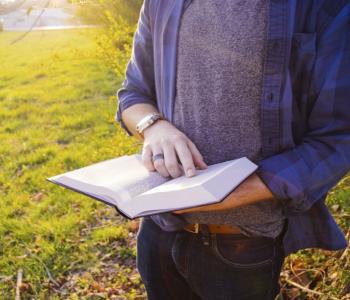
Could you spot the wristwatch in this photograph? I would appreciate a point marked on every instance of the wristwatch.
(147, 121)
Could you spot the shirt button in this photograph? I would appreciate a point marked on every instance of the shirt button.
(270, 97)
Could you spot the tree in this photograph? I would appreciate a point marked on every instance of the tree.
(117, 19)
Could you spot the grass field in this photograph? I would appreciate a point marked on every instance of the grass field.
(57, 109)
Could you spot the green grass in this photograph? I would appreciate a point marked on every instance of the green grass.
(57, 110)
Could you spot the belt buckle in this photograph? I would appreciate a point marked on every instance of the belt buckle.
(196, 228)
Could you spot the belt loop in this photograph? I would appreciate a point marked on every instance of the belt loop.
(205, 234)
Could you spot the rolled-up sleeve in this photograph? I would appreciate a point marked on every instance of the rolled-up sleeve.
(138, 85)
(303, 175)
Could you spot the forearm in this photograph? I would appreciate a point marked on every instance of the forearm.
(133, 114)
(250, 191)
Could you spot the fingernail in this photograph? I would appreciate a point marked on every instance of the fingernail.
(190, 173)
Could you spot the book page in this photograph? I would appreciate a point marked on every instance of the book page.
(208, 186)
(199, 179)
(144, 183)
(125, 177)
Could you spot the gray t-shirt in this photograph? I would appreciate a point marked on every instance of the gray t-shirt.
(218, 89)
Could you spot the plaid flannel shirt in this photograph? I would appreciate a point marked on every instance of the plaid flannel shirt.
(305, 105)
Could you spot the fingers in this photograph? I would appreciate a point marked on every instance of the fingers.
(196, 155)
(180, 155)
(147, 158)
(159, 164)
(171, 162)
(186, 158)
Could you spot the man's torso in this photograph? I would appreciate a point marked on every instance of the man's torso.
(219, 82)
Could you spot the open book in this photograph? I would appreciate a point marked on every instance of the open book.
(126, 184)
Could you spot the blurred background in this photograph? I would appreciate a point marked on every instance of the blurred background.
(61, 63)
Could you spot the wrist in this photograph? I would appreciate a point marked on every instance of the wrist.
(146, 122)
(154, 127)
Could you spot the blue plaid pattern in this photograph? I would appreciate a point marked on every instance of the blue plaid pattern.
(305, 104)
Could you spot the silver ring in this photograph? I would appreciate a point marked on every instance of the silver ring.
(158, 156)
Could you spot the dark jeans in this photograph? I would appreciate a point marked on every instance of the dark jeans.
(182, 265)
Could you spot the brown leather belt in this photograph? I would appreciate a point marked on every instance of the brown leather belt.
(213, 228)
